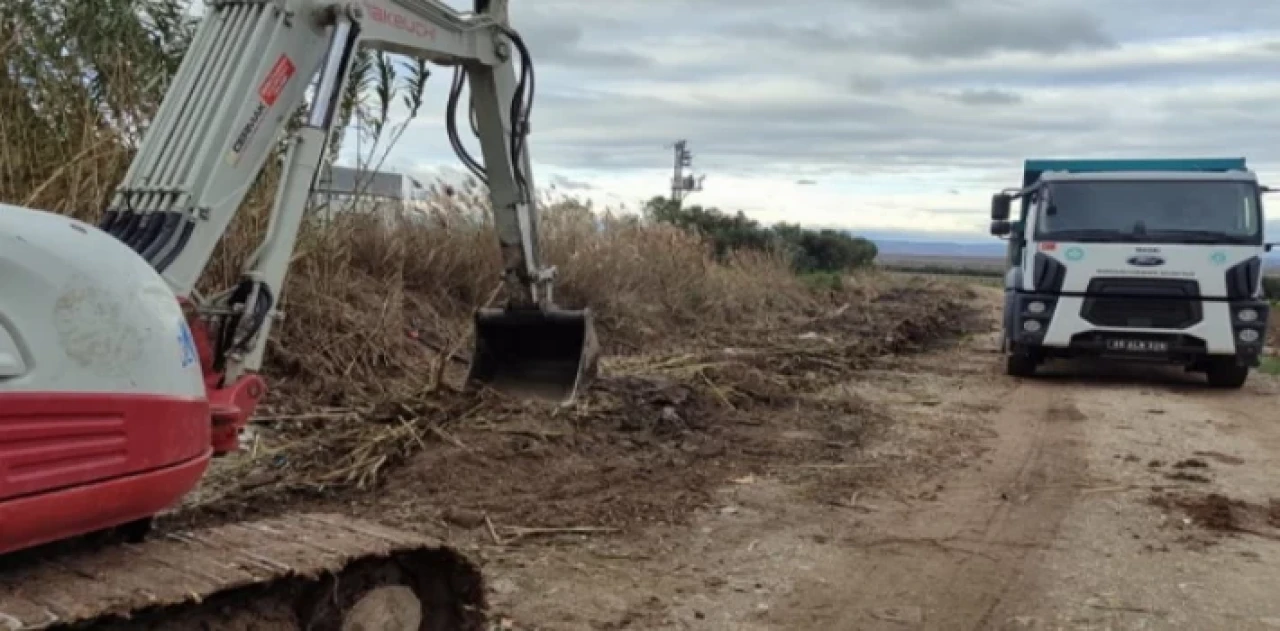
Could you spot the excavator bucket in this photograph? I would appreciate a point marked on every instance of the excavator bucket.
(545, 354)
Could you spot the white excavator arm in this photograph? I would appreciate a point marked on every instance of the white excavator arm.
(246, 74)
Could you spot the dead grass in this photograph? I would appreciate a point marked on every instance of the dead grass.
(357, 291)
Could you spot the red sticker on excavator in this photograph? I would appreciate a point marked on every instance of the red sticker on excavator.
(274, 84)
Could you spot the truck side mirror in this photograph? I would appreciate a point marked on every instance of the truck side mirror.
(1001, 228)
(1000, 204)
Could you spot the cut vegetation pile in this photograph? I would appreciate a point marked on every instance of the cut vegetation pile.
(711, 400)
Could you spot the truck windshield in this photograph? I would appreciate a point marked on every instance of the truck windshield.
(1143, 211)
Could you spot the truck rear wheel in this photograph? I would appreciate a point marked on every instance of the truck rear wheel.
(1227, 374)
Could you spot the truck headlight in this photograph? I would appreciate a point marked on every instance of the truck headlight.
(1031, 326)
(1248, 336)
(1248, 315)
(1037, 307)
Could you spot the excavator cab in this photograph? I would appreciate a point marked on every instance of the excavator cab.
(538, 353)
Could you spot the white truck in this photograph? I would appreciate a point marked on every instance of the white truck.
(1153, 260)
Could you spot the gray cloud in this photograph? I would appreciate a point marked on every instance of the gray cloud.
(870, 88)
(973, 32)
(987, 97)
(868, 85)
(908, 5)
(900, 130)
(561, 42)
(940, 29)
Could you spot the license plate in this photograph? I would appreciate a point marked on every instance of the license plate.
(1138, 346)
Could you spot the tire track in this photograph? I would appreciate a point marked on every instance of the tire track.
(955, 561)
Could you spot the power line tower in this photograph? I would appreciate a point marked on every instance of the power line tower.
(681, 184)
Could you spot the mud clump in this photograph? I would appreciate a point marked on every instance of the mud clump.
(1218, 513)
(1221, 457)
(1185, 476)
(652, 404)
(1065, 413)
(1214, 512)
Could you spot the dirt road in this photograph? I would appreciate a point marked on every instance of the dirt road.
(1084, 499)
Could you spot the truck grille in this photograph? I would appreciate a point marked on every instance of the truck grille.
(1141, 303)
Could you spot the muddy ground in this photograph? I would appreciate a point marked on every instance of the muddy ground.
(1090, 498)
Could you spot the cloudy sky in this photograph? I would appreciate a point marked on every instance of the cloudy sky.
(877, 114)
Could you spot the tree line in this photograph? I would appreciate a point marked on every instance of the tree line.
(822, 250)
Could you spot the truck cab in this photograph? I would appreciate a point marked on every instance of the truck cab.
(1135, 260)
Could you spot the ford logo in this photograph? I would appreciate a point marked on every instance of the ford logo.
(1146, 261)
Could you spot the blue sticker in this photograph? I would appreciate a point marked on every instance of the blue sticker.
(187, 343)
(1074, 254)
(1218, 258)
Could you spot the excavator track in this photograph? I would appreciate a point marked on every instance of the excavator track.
(318, 572)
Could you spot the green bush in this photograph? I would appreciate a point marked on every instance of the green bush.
(1271, 287)
(808, 250)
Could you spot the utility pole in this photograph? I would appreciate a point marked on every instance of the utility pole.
(682, 184)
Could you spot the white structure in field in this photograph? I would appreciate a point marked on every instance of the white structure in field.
(345, 189)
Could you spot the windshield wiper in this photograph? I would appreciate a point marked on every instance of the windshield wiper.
(1147, 236)
(1202, 236)
(1087, 236)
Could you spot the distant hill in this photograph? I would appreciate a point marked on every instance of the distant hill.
(914, 248)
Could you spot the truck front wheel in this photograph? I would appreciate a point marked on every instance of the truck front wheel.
(1226, 374)
(1019, 363)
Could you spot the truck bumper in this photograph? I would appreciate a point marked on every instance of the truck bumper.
(1050, 325)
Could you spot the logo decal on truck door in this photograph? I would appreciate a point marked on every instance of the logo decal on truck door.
(1074, 254)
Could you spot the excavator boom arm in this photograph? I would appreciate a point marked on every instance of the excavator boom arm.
(243, 79)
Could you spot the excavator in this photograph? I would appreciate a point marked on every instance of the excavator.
(120, 383)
